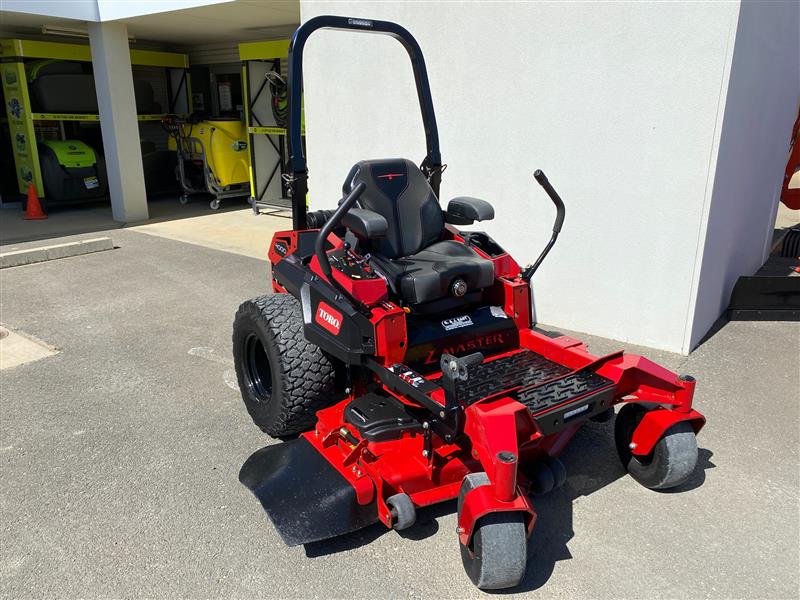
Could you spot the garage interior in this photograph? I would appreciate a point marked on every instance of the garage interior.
(190, 112)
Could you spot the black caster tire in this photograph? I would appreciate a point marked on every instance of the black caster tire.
(558, 470)
(404, 515)
(671, 462)
(184, 199)
(603, 417)
(542, 477)
(497, 554)
(284, 380)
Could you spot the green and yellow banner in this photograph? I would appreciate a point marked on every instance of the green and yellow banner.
(20, 121)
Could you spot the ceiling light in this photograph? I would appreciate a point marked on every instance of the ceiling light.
(74, 32)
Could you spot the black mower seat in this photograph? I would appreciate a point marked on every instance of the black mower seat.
(429, 274)
(420, 266)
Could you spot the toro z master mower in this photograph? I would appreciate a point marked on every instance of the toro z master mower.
(402, 352)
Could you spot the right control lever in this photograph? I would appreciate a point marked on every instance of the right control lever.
(541, 179)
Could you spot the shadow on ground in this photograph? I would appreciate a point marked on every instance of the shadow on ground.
(549, 541)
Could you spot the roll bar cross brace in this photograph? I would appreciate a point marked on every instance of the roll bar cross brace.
(298, 171)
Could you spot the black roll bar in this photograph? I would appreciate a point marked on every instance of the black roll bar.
(298, 171)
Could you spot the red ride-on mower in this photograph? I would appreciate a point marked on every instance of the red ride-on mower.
(401, 351)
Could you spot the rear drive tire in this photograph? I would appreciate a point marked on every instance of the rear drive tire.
(284, 379)
(671, 462)
(496, 556)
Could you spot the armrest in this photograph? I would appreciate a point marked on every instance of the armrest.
(365, 224)
(465, 211)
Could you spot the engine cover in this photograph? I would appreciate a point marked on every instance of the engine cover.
(487, 329)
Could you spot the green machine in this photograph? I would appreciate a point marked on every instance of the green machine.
(72, 172)
(49, 86)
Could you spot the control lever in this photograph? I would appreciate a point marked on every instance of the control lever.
(455, 370)
(360, 261)
(541, 179)
(322, 256)
(458, 369)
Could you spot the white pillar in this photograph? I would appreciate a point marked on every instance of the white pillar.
(114, 82)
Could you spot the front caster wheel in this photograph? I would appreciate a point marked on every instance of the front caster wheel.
(214, 204)
(403, 512)
(496, 556)
(184, 199)
(671, 462)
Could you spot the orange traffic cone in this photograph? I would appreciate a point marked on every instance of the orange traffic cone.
(34, 209)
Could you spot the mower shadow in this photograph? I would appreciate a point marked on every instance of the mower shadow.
(554, 523)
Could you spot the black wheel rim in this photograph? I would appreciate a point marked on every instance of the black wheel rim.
(258, 371)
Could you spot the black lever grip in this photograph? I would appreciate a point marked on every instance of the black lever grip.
(542, 180)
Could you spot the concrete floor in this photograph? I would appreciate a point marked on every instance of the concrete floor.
(235, 227)
(119, 458)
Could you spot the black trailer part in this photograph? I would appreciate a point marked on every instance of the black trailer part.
(765, 298)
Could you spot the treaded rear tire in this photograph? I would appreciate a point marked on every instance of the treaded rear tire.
(283, 378)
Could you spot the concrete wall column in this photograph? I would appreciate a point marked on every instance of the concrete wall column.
(120, 127)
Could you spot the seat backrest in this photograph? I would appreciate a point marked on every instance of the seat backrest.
(397, 189)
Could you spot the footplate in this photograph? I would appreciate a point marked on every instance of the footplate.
(561, 402)
(555, 395)
(520, 370)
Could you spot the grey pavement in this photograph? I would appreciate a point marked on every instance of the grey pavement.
(119, 459)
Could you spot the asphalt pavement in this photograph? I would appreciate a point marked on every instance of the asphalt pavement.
(119, 458)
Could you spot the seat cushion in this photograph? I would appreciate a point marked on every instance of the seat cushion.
(427, 275)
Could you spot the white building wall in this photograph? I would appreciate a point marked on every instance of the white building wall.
(760, 109)
(619, 103)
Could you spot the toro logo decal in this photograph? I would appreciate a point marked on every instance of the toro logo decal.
(329, 318)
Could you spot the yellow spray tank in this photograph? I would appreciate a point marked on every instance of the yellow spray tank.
(219, 147)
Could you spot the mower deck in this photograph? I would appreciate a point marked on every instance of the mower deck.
(304, 509)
